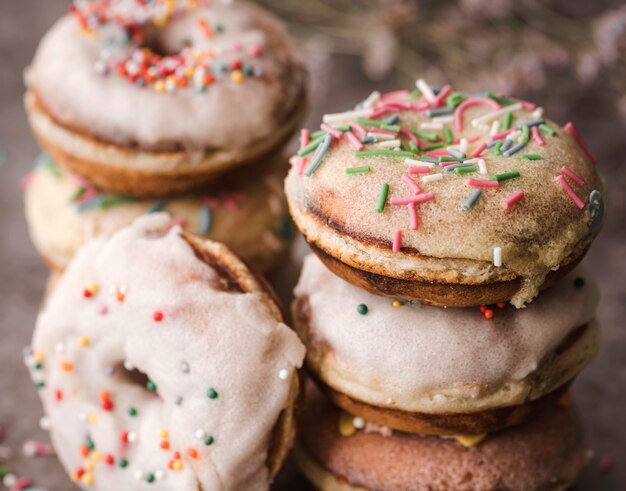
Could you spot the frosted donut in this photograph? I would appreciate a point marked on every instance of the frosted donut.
(430, 370)
(431, 198)
(249, 215)
(162, 363)
(157, 99)
(546, 454)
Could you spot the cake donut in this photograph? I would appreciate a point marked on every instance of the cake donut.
(156, 98)
(163, 363)
(248, 214)
(546, 454)
(429, 370)
(446, 198)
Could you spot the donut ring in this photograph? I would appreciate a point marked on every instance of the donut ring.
(160, 102)
(149, 357)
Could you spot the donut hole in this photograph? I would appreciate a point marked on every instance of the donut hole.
(133, 377)
(152, 39)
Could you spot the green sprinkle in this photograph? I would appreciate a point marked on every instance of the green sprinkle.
(447, 134)
(312, 146)
(377, 124)
(454, 99)
(316, 134)
(525, 133)
(123, 463)
(496, 148)
(40, 385)
(415, 94)
(434, 146)
(546, 129)
(579, 282)
(506, 121)
(382, 197)
(150, 478)
(79, 192)
(413, 146)
(506, 176)
(118, 200)
(465, 170)
(345, 127)
(358, 170)
(431, 137)
(209, 440)
(443, 158)
(212, 393)
(503, 101)
(53, 168)
(531, 156)
(132, 411)
(219, 28)
(151, 386)
(248, 70)
(383, 153)
(90, 444)
(38, 366)
(362, 309)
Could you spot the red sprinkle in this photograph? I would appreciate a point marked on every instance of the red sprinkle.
(571, 129)
(570, 192)
(478, 150)
(108, 458)
(570, 173)
(157, 316)
(537, 138)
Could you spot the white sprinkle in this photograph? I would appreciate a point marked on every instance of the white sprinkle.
(128, 365)
(132, 437)
(495, 128)
(336, 117)
(283, 374)
(200, 434)
(538, 113)
(419, 162)
(486, 118)
(431, 126)
(471, 161)
(29, 448)
(463, 145)
(497, 256)
(138, 474)
(443, 119)
(432, 177)
(9, 480)
(44, 423)
(389, 144)
(425, 90)
(372, 99)
(380, 136)
(482, 166)
(358, 423)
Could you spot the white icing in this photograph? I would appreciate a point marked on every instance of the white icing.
(227, 114)
(416, 351)
(230, 341)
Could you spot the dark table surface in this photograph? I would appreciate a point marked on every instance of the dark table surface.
(600, 390)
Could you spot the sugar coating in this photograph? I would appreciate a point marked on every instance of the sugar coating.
(114, 109)
(172, 315)
(415, 352)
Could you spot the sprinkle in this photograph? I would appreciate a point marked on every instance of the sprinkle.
(405, 200)
(132, 411)
(425, 89)
(362, 309)
(379, 124)
(209, 440)
(525, 134)
(506, 121)
(571, 129)
(495, 127)
(506, 204)
(422, 169)
(334, 118)
(305, 138)
(157, 316)
(442, 111)
(283, 374)
(570, 192)
(426, 136)
(390, 144)
(497, 256)
(432, 177)
(447, 135)
(184, 367)
(382, 197)
(206, 220)
(435, 146)
(396, 303)
(397, 241)
(332, 131)
(456, 153)
(465, 169)
(472, 199)
(393, 119)
(514, 149)
(83, 341)
(497, 148)
(546, 129)
(502, 134)
(482, 167)
(358, 170)
(383, 153)
(536, 135)
(411, 184)
(311, 146)
(500, 100)
(151, 386)
(482, 184)
(495, 114)
(413, 219)
(506, 176)
(212, 393)
(469, 441)
(319, 155)
(478, 150)
(354, 141)
(531, 156)
(458, 112)
(156, 207)
(370, 101)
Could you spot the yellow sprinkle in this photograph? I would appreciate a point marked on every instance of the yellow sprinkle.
(159, 86)
(177, 465)
(88, 465)
(74, 477)
(189, 72)
(469, 441)
(164, 434)
(39, 356)
(83, 341)
(236, 76)
(88, 478)
(95, 455)
(93, 288)
(396, 303)
(346, 424)
(91, 419)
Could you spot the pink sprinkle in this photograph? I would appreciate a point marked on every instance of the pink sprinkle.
(480, 183)
(359, 130)
(413, 220)
(354, 141)
(472, 101)
(417, 199)
(445, 91)
(503, 134)
(305, 138)
(570, 192)
(21, 484)
(87, 195)
(411, 184)
(397, 241)
(336, 133)
(254, 50)
(398, 106)
(396, 94)
(438, 153)
(470, 139)
(410, 136)
(34, 448)
(446, 164)
(422, 169)
(506, 204)
(478, 150)
(534, 131)
(527, 106)
(569, 127)
(301, 165)
(570, 173)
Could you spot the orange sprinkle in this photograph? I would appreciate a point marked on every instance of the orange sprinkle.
(501, 305)
(66, 366)
(488, 314)
(105, 395)
(165, 445)
(192, 452)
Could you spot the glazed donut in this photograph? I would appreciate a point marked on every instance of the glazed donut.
(431, 198)
(163, 363)
(545, 454)
(248, 214)
(158, 98)
(429, 370)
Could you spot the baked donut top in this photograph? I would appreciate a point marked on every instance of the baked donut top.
(168, 75)
(416, 352)
(155, 366)
(444, 174)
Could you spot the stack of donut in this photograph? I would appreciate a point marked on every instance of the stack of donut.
(183, 106)
(444, 312)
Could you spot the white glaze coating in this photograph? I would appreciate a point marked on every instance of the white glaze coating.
(430, 356)
(230, 341)
(227, 114)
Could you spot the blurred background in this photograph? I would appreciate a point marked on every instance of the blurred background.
(567, 55)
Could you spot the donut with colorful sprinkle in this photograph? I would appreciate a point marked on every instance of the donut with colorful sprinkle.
(156, 98)
(446, 198)
(163, 363)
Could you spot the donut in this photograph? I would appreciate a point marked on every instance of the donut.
(64, 211)
(428, 370)
(446, 198)
(163, 363)
(156, 98)
(547, 453)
